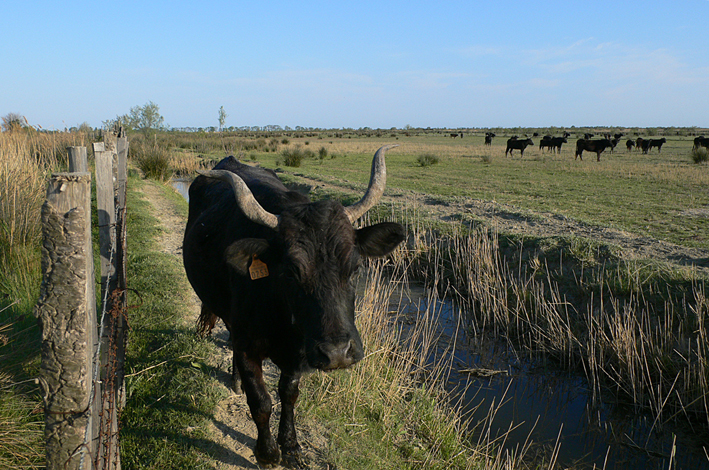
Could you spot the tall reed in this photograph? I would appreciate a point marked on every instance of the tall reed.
(652, 356)
(26, 157)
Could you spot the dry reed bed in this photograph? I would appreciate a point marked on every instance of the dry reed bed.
(401, 382)
(631, 352)
(26, 158)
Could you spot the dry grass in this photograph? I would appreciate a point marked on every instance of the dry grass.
(655, 359)
(26, 158)
(393, 404)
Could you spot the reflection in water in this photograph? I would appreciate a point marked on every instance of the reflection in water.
(182, 186)
(544, 405)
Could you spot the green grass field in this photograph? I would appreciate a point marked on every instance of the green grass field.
(662, 195)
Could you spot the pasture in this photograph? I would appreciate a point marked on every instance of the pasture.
(597, 268)
(600, 268)
(660, 195)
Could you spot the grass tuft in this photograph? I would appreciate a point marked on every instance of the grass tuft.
(427, 159)
(700, 155)
(152, 159)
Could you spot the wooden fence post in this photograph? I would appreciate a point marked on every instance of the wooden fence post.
(121, 234)
(66, 310)
(78, 163)
(113, 338)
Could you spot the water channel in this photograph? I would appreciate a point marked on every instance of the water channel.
(549, 408)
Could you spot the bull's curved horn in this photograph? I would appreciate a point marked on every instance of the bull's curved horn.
(377, 182)
(245, 198)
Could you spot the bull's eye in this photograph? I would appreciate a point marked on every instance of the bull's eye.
(291, 274)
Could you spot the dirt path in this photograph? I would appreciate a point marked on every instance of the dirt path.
(508, 219)
(232, 429)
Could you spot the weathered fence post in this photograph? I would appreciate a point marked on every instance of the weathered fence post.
(78, 163)
(113, 295)
(66, 309)
(121, 234)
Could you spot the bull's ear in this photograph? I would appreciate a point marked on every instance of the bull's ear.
(241, 252)
(379, 240)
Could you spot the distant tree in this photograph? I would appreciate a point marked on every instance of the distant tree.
(147, 117)
(222, 118)
(144, 118)
(13, 121)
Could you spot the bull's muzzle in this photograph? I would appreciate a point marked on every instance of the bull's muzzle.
(340, 355)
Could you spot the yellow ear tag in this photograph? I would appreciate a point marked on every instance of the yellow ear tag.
(258, 269)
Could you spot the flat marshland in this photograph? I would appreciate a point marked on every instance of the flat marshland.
(595, 268)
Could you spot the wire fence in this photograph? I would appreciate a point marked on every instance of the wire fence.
(82, 371)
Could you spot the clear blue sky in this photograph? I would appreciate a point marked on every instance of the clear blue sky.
(358, 64)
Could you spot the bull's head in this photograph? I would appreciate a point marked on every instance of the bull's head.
(315, 252)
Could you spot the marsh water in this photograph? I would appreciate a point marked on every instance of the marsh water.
(538, 407)
(546, 407)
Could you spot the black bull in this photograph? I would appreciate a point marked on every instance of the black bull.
(517, 144)
(598, 146)
(277, 269)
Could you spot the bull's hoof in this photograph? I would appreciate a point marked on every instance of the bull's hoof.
(268, 455)
(294, 459)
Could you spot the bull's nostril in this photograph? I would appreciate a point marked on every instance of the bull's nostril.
(339, 355)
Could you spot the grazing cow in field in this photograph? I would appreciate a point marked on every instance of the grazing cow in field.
(618, 135)
(488, 138)
(629, 144)
(514, 143)
(552, 143)
(598, 146)
(566, 135)
(645, 145)
(278, 269)
(614, 142)
(700, 141)
(454, 135)
(587, 136)
(639, 143)
(556, 143)
(656, 143)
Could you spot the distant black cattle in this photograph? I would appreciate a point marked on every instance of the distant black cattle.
(488, 138)
(587, 136)
(598, 146)
(552, 143)
(655, 143)
(630, 144)
(701, 141)
(639, 143)
(514, 143)
(614, 142)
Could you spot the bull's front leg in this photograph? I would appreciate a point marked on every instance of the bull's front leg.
(251, 371)
(287, 439)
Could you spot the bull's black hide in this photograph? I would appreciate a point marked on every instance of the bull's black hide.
(595, 145)
(278, 270)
